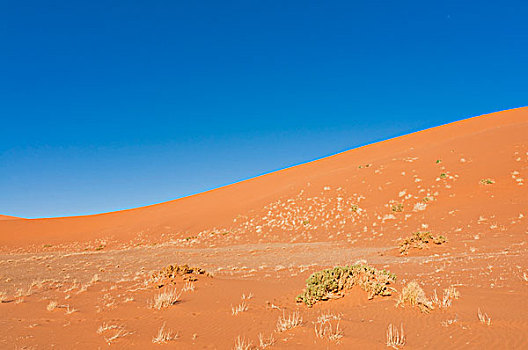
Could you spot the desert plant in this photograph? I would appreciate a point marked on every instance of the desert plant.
(397, 208)
(449, 294)
(288, 322)
(414, 295)
(395, 338)
(487, 181)
(265, 342)
(331, 283)
(420, 240)
(239, 308)
(164, 335)
(165, 299)
(242, 344)
(484, 318)
(323, 327)
(52, 305)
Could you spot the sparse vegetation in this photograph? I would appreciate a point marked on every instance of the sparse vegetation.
(265, 342)
(484, 318)
(397, 208)
(420, 240)
(414, 295)
(171, 272)
(164, 336)
(293, 320)
(438, 161)
(443, 176)
(324, 328)
(118, 332)
(52, 305)
(487, 181)
(395, 338)
(449, 294)
(235, 310)
(331, 283)
(242, 344)
(165, 299)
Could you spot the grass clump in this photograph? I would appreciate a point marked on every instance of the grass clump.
(332, 283)
(414, 295)
(420, 240)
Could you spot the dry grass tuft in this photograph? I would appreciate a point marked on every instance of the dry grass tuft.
(324, 328)
(52, 305)
(118, 332)
(420, 240)
(242, 344)
(164, 336)
(188, 287)
(450, 293)
(239, 308)
(285, 323)
(414, 295)
(165, 299)
(265, 342)
(484, 318)
(395, 338)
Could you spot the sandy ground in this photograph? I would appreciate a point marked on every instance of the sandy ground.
(85, 282)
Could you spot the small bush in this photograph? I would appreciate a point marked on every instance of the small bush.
(420, 240)
(331, 283)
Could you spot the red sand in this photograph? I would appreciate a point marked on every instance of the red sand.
(266, 235)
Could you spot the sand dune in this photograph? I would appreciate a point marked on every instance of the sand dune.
(7, 217)
(466, 181)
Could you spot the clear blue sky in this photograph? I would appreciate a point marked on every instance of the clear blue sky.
(106, 105)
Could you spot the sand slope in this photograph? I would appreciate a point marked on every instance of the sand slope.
(466, 180)
(488, 142)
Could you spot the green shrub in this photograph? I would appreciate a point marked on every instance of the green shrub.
(331, 283)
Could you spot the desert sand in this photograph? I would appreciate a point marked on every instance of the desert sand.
(87, 282)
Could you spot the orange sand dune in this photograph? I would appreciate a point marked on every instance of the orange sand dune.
(85, 282)
(485, 139)
(7, 217)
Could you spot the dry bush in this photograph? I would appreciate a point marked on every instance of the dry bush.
(293, 320)
(395, 338)
(414, 295)
(239, 308)
(332, 283)
(164, 336)
(242, 344)
(3, 297)
(165, 299)
(324, 328)
(420, 240)
(484, 318)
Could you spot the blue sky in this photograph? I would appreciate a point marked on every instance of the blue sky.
(107, 105)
